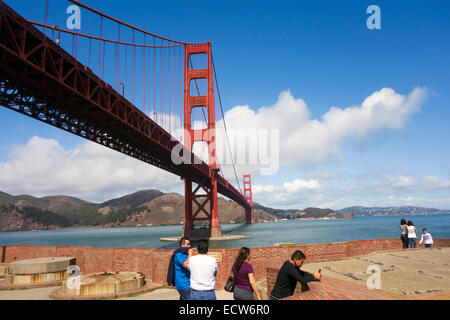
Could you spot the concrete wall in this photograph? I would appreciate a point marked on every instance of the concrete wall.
(154, 262)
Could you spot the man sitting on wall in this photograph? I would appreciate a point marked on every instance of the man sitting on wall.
(288, 276)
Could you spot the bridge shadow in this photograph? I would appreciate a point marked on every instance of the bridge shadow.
(238, 227)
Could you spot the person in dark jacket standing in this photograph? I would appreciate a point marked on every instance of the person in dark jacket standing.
(289, 275)
(178, 275)
(404, 233)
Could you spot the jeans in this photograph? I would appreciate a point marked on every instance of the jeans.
(203, 295)
(404, 239)
(428, 245)
(185, 294)
(412, 242)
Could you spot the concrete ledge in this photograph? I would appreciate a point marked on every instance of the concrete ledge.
(4, 270)
(33, 281)
(148, 287)
(222, 238)
(41, 265)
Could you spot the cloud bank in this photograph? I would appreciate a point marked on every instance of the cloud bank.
(93, 172)
(90, 171)
(308, 143)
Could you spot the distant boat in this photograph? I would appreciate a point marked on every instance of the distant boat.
(139, 225)
(149, 225)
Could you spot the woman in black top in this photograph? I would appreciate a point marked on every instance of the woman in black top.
(288, 276)
(404, 233)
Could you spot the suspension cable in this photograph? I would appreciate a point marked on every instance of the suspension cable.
(203, 111)
(224, 123)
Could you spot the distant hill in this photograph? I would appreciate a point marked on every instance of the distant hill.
(55, 203)
(391, 211)
(133, 200)
(21, 213)
(145, 207)
(308, 213)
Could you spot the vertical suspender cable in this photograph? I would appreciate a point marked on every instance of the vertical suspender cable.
(76, 50)
(90, 52)
(100, 48)
(161, 85)
(46, 17)
(154, 81)
(169, 89)
(224, 123)
(126, 72)
(118, 60)
(133, 71)
(143, 74)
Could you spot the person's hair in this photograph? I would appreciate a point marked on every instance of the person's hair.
(183, 240)
(202, 246)
(410, 223)
(298, 255)
(242, 256)
(424, 229)
(402, 222)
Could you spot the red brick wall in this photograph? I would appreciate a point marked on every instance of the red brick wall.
(153, 262)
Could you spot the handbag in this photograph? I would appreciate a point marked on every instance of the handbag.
(231, 283)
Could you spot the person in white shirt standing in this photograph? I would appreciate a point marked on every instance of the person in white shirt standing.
(412, 234)
(426, 237)
(203, 270)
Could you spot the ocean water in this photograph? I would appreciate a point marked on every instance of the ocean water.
(257, 235)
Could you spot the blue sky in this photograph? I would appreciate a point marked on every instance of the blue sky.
(322, 53)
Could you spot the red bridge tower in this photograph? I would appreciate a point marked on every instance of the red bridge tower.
(206, 192)
(248, 197)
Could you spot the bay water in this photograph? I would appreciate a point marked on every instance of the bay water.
(257, 235)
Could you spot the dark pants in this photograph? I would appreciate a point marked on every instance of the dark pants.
(404, 239)
(272, 297)
(412, 242)
(428, 245)
(185, 294)
(241, 294)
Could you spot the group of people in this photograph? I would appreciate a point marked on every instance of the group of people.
(409, 235)
(194, 275)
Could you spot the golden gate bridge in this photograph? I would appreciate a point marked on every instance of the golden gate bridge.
(88, 85)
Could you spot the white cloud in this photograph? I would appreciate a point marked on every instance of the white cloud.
(307, 142)
(412, 183)
(90, 171)
(299, 184)
(288, 192)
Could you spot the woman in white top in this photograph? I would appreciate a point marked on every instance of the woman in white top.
(412, 234)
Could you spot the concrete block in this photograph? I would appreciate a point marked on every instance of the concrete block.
(41, 265)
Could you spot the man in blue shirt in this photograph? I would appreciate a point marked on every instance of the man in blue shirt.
(182, 274)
